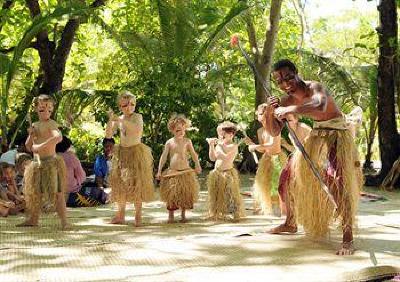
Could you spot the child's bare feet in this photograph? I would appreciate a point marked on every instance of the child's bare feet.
(171, 216)
(117, 220)
(283, 228)
(66, 226)
(236, 219)
(138, 223)
(27, 223)
(4, 211)
(183, 216)
(346, 249)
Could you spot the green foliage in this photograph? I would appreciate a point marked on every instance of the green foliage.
(175, 56)
(86, 143)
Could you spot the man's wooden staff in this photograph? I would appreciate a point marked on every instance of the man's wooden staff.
(235, 42)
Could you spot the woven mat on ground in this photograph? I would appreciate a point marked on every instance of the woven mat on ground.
(196, 251)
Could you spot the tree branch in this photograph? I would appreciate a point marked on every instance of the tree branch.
(252, 34)
(271, 34)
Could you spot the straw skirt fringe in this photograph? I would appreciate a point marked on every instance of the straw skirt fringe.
(131, 176)
(180, 191)
(336, 156)
(224, 194)
(43, 180)
(262, 184)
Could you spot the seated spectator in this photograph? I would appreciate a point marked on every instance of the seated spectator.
(78, 196)
(102, 164)
(9, 192)
(75, 173)
(10, 156)
(22, 161)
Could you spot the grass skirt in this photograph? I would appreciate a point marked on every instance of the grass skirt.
(131, 176)
(44, 178)
(224, 194)
(262, 184)
(180, 191)
(331, 147)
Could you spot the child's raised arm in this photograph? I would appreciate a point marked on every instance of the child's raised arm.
(112, 124)
(230, 154)
(211, 151)
(272, 146)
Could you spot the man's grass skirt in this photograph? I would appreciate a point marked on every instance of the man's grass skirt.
(331, 147)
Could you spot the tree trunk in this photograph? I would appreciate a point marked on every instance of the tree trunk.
(370, 141)
(389, 140)
(269, 45)
(54, 55)
(263, 62)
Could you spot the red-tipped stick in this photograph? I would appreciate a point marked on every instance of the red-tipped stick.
(236, 42)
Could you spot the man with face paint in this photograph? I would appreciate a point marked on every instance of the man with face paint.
(131, 177)
(330, 146)
(45, 177)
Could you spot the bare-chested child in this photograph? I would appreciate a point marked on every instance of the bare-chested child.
(223, 182)
(269, 146)
(131, 176)
(179, 187)
(330, 146)
(45, 177)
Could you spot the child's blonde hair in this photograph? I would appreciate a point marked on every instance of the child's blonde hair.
(178, 118)
(125, 94)
(228, 127)
(43, 98)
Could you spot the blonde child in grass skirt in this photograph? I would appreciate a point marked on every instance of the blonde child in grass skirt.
(131, 176)
(269, 146)
(223, 182)
(45, 177)
(179, 185)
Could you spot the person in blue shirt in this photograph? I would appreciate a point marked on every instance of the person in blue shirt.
(103, 163)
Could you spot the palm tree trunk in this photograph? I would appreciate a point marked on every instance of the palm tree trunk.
(389, 140)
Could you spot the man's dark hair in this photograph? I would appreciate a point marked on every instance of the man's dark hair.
(108, 140)
(64, 145)
(285, 63)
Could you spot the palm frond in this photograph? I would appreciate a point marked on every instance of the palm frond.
(335, 76)
(165, 16)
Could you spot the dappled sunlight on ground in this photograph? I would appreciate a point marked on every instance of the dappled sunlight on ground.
(95, 250)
